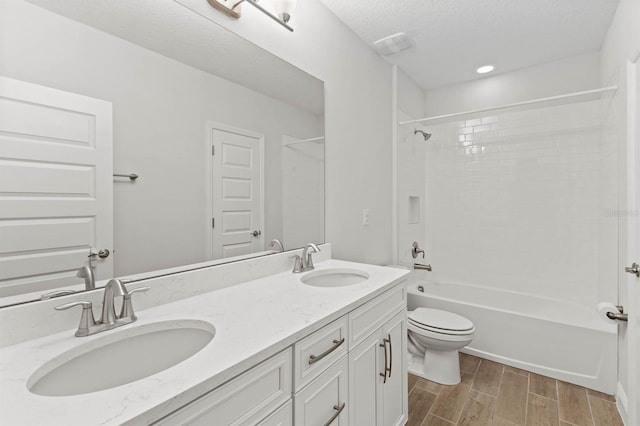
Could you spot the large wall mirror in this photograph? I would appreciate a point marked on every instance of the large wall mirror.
(226, 140)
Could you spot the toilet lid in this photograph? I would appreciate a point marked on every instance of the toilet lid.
(440, 320)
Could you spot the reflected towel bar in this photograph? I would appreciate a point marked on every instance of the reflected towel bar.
(132, 176)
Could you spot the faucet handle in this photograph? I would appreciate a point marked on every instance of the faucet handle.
(415, 250)
(127, 307)
(86, 319)
(58, 293)
(297, 264)
(309, 262)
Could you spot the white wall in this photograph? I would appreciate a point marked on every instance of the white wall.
(621, 44)
(553, 78)
(160, 109)
(411, 183)
(411, 170)
(411, 97)
(358, 120)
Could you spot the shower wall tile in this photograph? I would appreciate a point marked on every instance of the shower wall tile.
(515, 200)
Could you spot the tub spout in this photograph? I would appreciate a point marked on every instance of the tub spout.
(421, 266)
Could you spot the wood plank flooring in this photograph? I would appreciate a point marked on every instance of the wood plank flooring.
(493, 394)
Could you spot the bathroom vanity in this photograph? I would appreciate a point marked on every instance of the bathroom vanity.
(283, 352)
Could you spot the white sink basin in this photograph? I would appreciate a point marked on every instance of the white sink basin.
(124, 356)
(334, 277)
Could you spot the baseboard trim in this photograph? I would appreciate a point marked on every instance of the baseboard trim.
(622, 403)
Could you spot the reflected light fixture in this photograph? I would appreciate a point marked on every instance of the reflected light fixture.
(283, 9)
(485, 69)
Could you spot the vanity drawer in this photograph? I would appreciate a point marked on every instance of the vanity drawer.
(244, 400)
(325, 399)
(283, 416)
(367, 318)
(316, 352)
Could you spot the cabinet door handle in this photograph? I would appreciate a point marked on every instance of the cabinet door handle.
(390, 354)
(384, 345)
(338, 409)
(336, 343)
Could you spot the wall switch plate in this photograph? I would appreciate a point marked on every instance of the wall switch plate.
(365, 217)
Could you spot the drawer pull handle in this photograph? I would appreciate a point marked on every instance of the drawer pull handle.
(336, 343)
(388, 360)
(390, 354)
(384, 345)
(336, 414)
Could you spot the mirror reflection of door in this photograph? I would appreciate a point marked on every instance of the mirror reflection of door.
(55, 187)
(236, 193)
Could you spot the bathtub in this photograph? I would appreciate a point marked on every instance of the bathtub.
(550, 337)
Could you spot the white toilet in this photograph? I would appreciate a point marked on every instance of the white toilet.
(435, 337)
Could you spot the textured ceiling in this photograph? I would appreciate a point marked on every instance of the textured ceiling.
(172, 30)
(452, 38)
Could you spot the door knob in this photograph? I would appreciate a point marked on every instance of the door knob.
(633, 269)
(256, 233)
(102, 253)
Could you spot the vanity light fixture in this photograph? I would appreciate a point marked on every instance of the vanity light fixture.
(283, 9)
(485, 69)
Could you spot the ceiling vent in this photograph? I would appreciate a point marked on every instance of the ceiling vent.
(393, 44)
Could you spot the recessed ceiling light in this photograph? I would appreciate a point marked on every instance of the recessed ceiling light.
(485, 69)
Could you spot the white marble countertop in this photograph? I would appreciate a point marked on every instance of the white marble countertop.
(253, 321)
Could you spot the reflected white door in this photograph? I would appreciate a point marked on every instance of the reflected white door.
(633, 282)
(56, 191)
(236, 192)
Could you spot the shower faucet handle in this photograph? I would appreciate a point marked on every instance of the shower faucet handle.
(415, 250)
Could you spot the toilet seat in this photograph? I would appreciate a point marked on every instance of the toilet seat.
(441, 322)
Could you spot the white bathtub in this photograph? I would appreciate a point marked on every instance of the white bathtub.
(550, 337)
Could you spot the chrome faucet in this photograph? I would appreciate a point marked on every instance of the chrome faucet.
(86, 272)
(307, 260)
(275, 242)
(422, 266)
(305, 263)
(114, 288)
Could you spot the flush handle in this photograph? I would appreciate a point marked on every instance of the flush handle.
(633, 269)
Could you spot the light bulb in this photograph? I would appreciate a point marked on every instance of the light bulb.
(284, 9)
(485, 69)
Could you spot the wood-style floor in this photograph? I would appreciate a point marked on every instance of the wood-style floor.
(495, 394)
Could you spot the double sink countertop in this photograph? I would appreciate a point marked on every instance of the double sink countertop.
(253, 321)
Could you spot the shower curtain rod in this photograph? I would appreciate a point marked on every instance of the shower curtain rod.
(517, 104)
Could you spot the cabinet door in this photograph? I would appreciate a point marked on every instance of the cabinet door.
(365, 366)
(324, 400)
(394, 390)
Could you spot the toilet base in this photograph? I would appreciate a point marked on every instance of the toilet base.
(437, 366)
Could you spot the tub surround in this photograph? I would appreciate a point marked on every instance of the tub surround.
(254, 320)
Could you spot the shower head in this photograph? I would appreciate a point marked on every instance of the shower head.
(425, 135)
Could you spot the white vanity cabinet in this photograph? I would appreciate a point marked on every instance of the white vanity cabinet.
(249, 399)
(378, 366)
(325, 401)
(349, 372)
